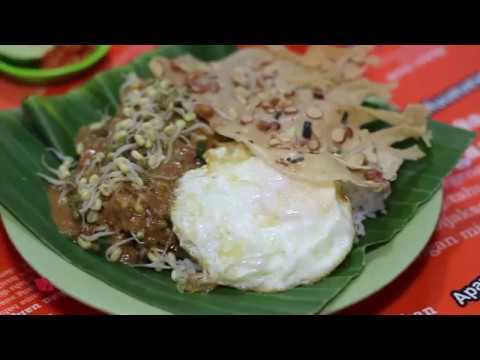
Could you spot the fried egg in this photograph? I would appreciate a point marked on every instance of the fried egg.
(252, 228)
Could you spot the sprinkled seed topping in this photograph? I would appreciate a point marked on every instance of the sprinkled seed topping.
(275, 126)
(198, 83)
(342, 134)
(282, 162)
(285, 104)
(275, 101)
(374, 175)
(246, 119)
(263, 125)
(348, 133)
(313, 144)
(286, 135)
(204, 112)
(265, 105)
(314, 113)
(291, 110)
(338, 135)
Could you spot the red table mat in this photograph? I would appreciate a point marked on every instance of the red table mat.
(443, 280)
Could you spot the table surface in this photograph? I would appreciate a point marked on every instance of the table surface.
(443, 280)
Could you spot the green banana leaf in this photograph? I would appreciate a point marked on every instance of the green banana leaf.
(44, 122)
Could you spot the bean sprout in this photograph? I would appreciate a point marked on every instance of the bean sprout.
(115, 246)
(97, 236)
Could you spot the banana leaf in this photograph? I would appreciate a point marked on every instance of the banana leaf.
(45, 122)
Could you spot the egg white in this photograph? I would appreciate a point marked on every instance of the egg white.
(252, 228)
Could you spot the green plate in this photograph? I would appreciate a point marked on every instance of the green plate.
(384, 265)
(33, 75)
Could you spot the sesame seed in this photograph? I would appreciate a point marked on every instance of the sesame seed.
(291, 110)
(313, 145)
(314, 113)
(246, 119)
(338, 135)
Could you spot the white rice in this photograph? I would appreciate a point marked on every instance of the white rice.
(365, 204)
